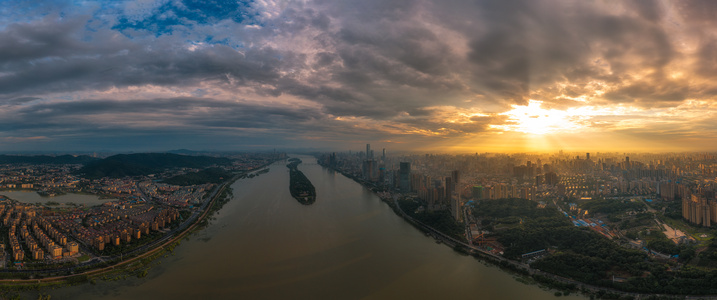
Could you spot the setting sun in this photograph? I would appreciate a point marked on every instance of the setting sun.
(534, 119)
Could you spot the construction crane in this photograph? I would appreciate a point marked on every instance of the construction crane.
(480, 239)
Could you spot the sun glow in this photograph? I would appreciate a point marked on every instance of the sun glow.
(534, 119)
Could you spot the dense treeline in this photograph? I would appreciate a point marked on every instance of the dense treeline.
(139, 164)
(440, 220)
(638, 220)
(689, 280)
(708, 257)
(300, 186)
(611, 206)
(673, 209)
(208, 175)
(584, 255)
(511, 207)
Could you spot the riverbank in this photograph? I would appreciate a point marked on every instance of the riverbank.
(264, 245)
(527, 275)
(133, 260)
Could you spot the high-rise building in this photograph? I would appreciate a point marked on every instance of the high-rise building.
(667, 190)
(456, 177)
(450, 187)
(698, 210)
(500, 191)
(551, 178)
(370, 170)
(404, 177)
(456, 211)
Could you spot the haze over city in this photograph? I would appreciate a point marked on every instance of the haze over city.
(448, 76)
(382, 149)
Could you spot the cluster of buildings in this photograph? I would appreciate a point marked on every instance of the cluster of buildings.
(43, 233)
(37, 233)
(174, 195)
(32, 236)
(699, 210)
(44, 178)
(448, 181)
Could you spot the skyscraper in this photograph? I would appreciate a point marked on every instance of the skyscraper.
(456, 211)
(404, 177)
(369, 169)
(450, 186)
(551, 178)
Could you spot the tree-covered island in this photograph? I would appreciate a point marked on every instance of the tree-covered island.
(299, 185)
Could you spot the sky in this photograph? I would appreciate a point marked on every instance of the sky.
(439, 76)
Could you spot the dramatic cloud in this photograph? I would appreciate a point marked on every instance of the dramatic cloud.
(517, 75)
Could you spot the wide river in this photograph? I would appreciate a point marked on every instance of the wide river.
(348, 245)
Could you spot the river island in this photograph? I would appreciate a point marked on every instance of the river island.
(299, 185)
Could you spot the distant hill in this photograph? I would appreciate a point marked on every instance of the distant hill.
(208, 175)
(184, 152)
(45, 159)
(139, 164)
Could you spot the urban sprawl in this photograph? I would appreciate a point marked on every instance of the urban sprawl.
(140, 208)
(453, 182)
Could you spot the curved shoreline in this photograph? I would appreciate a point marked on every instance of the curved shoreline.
(170, 242)
(542, 278)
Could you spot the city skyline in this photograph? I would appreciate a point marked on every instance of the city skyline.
(433, 76)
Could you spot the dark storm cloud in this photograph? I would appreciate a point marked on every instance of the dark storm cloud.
(162, 121)
(514, 48)
(539, 43)
(20, 42)
(387, 63)
(74, 65)
(651, 93)
(697, 12)
(20, 100)
(197, 111)
(706, 62)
